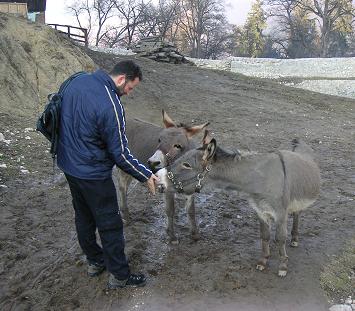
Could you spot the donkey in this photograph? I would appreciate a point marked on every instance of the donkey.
(173, 139)
(278, 183)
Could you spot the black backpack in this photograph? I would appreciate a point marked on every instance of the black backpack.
(48, 122)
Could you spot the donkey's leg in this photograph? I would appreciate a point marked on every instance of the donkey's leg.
(281, 235)
(123, 182)
(265, 226)
(170, 213)
(294, 232)
(190, 209)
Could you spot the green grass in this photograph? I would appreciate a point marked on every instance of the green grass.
(338, 276)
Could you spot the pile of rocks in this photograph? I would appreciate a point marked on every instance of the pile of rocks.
(157, 49)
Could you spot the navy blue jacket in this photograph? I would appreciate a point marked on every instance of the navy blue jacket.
(92, 135)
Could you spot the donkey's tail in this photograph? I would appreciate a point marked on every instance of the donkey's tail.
(302, 148)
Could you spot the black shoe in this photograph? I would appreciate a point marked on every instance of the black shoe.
(134, 280)
(95, 269)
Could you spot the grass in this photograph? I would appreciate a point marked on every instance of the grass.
(338, 276)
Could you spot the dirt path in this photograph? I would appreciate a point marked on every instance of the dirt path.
(42, 266)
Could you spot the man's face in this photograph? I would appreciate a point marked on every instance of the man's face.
(124, 85)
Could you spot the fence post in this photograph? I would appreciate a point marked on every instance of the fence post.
(86, 37)
(69, 34)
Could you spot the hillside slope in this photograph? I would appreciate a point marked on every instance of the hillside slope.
(34, 60)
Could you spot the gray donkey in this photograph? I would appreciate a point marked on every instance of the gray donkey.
(278, 183)
(172, 140)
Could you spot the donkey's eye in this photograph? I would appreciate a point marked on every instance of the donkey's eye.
(178, 146)
(159, 140)
(186, 165)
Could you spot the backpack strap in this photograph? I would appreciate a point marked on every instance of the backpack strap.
(65, 84)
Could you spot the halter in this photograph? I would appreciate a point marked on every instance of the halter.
(167, 156)
(180, 187)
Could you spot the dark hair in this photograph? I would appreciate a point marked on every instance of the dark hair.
(128, 68)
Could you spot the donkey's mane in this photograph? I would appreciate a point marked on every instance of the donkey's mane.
(236, 153)
(247, 153)
(223, 153)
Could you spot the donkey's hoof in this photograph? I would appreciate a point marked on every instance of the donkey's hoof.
(260, 267)
(294, 244)
(174, 241)
(282, 273)
(195, 236)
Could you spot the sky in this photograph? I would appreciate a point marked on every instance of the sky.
(236, 12)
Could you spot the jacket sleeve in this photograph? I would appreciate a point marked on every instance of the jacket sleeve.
(113, 133)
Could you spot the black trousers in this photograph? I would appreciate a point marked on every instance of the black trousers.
(95, 205)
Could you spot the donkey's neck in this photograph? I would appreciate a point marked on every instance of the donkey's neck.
(239, 172)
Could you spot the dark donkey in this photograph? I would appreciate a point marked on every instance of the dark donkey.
(173, 140)
(278, 183)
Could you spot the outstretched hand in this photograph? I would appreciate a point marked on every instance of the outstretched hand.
(151, 183)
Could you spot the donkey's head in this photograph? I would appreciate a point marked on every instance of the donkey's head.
(174, 140)
(187, 173)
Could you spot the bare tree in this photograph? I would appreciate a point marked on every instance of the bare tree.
(168, 17)
(93, 15)
(293, 31)
(104, 11)
(149, 22)
(195, 15)
(130, 12)
(82, 10)
(328, 14)
(217, 39)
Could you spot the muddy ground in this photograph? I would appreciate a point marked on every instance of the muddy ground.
(42, 266)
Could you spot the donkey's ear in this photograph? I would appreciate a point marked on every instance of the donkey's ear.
(206, 137)
(168, 122)
(193, 130)
(210, 150)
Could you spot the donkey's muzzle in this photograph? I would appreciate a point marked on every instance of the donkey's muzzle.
(161, 188)
(154, 165)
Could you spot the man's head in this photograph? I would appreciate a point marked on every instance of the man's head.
(126, 75)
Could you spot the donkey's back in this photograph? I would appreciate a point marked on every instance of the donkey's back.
(302, 176)
(143, 138)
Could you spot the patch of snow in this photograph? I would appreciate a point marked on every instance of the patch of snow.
(333, 76)
(115, 51)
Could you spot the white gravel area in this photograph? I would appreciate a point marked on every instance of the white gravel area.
(301, 68)
(333, 76)
(344, 88)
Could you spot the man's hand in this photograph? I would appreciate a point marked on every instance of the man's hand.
(151, 183)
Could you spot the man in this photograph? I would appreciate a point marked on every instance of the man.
(91, 141)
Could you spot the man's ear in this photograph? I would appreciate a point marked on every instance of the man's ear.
(120, 80)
